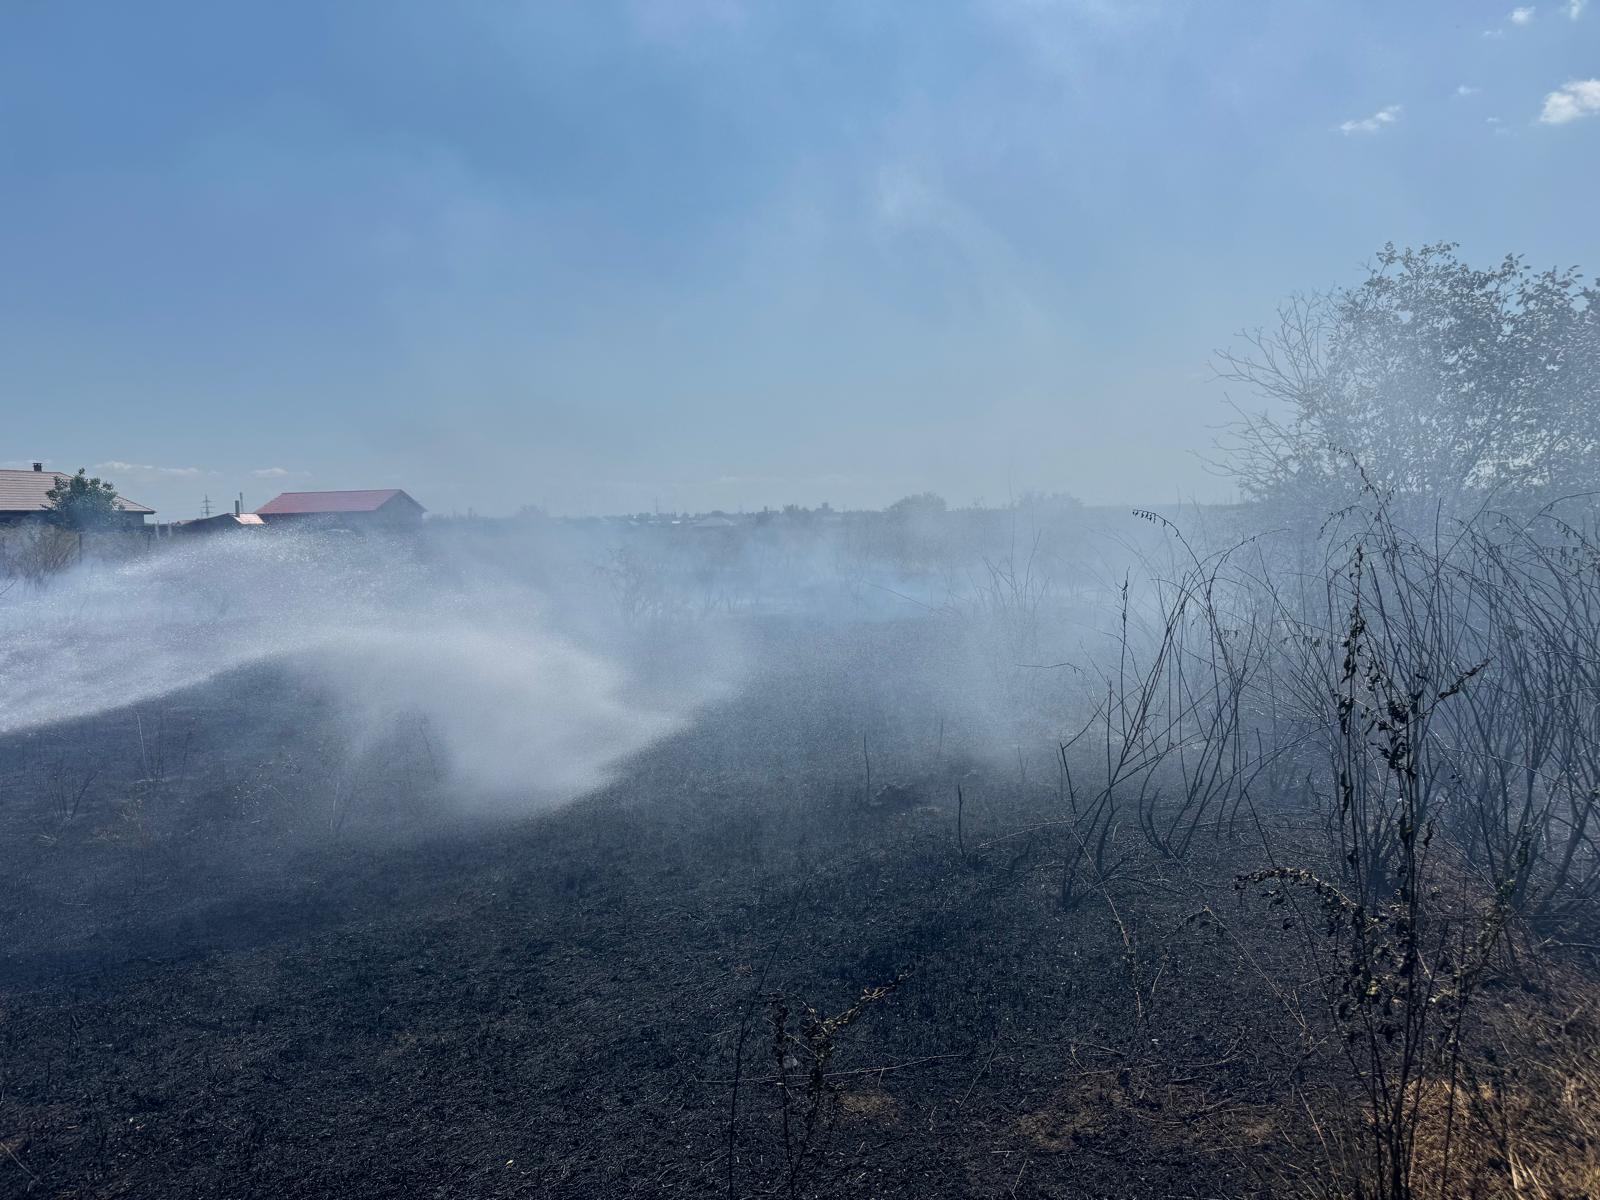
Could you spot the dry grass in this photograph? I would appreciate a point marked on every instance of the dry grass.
(876, 1107)
(1531, 1099)
(1521, 1120)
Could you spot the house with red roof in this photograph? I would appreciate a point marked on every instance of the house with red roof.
(383, 508)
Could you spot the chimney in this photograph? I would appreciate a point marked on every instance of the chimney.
(38, 466)
(238, 505)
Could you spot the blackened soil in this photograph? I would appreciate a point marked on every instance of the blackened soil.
(224, 976)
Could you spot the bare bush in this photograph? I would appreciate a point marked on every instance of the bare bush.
(34, 552)
(1175, 725)
(803, 1045)
(1437, 696)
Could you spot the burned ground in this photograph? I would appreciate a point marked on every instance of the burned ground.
(230, 971)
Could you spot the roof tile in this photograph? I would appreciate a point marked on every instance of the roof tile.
(26, 491)
(330, 502)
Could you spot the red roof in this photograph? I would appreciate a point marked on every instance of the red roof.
(331, 502)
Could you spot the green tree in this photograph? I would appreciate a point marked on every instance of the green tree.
(81, 502)
(1445, 383)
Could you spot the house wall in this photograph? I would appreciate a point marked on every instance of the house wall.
(123, 521)
(381, 519)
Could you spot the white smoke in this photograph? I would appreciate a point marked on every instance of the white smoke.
(388, 630)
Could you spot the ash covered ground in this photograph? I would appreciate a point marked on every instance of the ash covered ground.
(234, 966)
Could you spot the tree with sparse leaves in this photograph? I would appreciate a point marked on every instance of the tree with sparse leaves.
(1440, 383)
(923, 504)
(82, 502)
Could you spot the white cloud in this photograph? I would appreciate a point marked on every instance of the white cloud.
(1579, 98)
(1575, 8)
(1384, 116)
(270, 473)
(1467, 90)
(1521, 16)
(1493, 33)
(128, 468)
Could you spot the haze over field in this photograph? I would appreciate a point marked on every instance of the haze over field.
(705, 254)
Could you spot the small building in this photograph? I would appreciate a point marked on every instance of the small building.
(386, 508)
(25, 495)
(221, 523)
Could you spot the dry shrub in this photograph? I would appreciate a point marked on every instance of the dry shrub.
(33, 552)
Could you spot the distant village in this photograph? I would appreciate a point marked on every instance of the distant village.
(25, 496)
(917, 551)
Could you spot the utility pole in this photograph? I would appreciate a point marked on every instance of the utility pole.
(205, 507)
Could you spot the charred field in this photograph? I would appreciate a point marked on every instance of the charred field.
(217, 982)
(1194, 886)
(714, 599)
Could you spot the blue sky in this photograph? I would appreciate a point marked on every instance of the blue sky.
(721, 253)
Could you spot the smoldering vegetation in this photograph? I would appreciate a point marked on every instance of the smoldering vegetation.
(1034, 850)
(388, 633)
